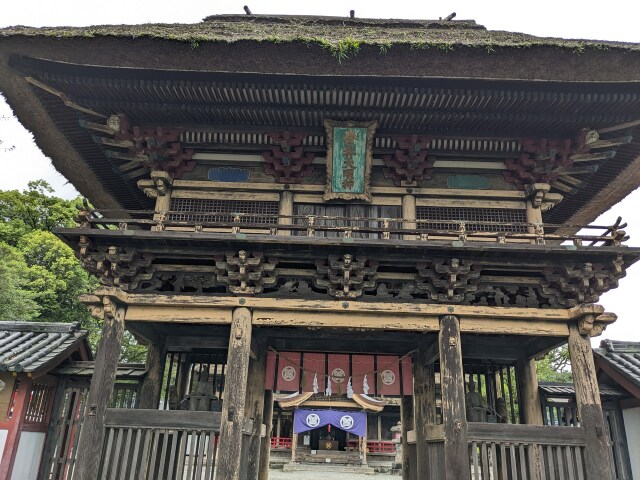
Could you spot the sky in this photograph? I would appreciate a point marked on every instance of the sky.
(616, 20)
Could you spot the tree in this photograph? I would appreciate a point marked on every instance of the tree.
(40, 277)
(555, 366)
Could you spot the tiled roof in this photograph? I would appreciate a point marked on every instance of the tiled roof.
(31, 346)
(85, 369)
(553, 388)
(624, 357)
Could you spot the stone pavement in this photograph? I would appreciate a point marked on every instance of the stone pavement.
(277, 474)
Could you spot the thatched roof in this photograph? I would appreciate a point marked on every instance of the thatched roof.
(335, 33)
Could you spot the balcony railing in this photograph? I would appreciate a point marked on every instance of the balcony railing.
(160, 444)
(244, 225)
(375, 446)
(281, 443)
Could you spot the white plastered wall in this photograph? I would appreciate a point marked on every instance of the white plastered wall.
(632, 427)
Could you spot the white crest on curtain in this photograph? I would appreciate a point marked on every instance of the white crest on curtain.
(315, 383)
(365, 386)
(349, 389)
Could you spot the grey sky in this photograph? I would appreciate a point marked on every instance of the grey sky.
(614, 20)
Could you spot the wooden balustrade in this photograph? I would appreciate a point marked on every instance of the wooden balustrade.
(354, 227)
(159, 444)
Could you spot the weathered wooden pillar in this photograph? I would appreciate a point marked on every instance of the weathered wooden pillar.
(409, 214)
(596, 453)
(152, 384)
(454, 419)
(265, 447)
(286, 210)
(424, 391)
(235, 394)
(531, 409)
(408, 451)
(163, 184)
(104, 375)
(255, 405)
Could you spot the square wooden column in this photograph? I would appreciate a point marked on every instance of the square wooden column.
(596, 453)
(424, 395)
(454, 418)
(265, 447)
(235, 394)
(408, 451)
(255, 404)
(99, 397)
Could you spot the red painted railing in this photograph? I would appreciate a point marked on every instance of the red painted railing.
(374, 446)
(281, 442)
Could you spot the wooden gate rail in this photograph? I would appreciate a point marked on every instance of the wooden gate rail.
(526, 452)
(159, 444)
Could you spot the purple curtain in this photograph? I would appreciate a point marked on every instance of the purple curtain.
(352, 422)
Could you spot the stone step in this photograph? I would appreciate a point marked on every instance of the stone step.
(325, 468)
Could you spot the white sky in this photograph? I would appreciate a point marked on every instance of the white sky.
(613, 20)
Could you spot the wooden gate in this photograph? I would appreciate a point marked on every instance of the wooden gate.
(58, 459)
(61, 444)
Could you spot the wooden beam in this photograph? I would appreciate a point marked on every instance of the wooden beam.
(152, 384)
(454, 419)
(233, 407)
(286, 210)
(254, 404)
(99, 397)
(265, 447)
(596, 452)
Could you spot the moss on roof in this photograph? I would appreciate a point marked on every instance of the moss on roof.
(341, 35)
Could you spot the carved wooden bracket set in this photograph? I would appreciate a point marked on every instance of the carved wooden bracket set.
(410, 163)
(287, 161)
(155, 148)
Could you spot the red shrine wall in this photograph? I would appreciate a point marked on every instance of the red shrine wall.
(386, 375)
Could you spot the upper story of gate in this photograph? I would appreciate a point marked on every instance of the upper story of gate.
(353, 159)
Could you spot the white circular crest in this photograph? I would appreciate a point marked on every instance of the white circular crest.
(338, 375)
(388, 377)
(288, 373)
(346, 422)
(312, 420)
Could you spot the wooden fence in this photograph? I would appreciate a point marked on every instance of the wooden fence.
(159, 445)
(526, 452)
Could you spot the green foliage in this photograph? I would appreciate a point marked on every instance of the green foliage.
(16, 300)
(40, 277)
(555, 366)
(344, 49)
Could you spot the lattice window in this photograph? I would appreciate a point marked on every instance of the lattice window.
(489, 219)
(201, 210)
(38, 403)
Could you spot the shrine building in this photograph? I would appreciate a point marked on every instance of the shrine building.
(336, 232)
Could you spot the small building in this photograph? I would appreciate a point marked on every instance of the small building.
(618, 365)
(29, 352)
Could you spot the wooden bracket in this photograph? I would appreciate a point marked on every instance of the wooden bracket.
(409, 165)
(287, 161)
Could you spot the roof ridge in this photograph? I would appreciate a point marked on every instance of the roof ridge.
(620, 346)
(27, 326)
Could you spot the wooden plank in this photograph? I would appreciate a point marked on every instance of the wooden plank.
(233, 408)
(170, 419)
(179, 314)
(456, 458)
(228, 195)
(470, 203)
(596, 453)
(92, 432)
(345, 320)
